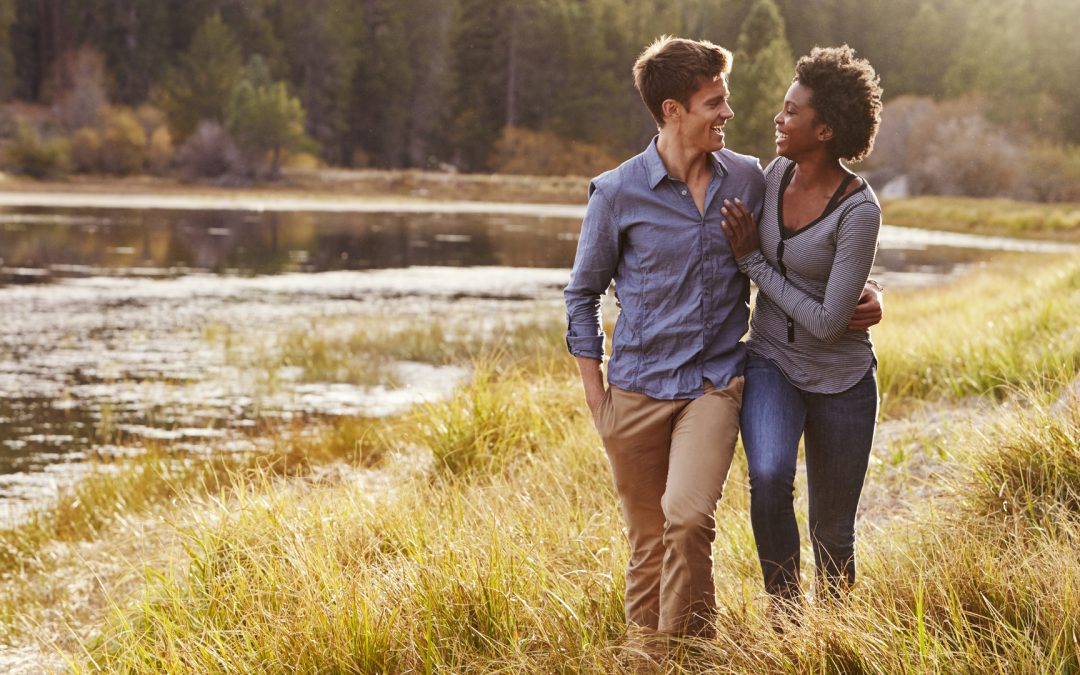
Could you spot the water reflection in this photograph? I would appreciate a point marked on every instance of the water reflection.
(38, 244)
(93, 363)
(164, 242)
(94, 367)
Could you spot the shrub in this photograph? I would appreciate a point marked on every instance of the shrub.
(86, 150)
(301, 160)
(210, 152)
(123, 148)
(951, 148)
(150, 118)
(1053, 172)
(898, 118)
(159, 150)
(524, 151)
(39, 158)
(954, 150)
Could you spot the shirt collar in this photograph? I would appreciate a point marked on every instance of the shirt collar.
(656, 171)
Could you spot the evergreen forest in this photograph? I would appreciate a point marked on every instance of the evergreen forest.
(508, 86)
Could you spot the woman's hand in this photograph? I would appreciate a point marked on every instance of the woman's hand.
(740, 228)
(871, 307)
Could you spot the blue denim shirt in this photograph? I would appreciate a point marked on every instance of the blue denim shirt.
(685, 304)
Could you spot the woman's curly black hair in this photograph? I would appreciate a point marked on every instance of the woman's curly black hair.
(846, 96)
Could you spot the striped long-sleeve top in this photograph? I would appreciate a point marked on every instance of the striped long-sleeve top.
(826, 264)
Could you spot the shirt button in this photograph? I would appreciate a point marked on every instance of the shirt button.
(684, 193)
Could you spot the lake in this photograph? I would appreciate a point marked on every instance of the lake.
(136, 324)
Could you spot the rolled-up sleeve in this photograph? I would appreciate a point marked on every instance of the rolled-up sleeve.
(594, 267)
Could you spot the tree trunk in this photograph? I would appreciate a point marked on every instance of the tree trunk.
(275, 163)
(511, 70)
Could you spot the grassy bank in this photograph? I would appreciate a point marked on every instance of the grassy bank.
(1000, 217)
(405, 184)
(1007, 326)
(481, 533)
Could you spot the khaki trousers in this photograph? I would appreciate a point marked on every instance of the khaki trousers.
(669, 460)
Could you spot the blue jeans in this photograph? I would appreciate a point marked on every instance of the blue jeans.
(839, 430)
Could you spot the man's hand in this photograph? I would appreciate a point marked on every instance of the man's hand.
(870, 309)
(740, 228)
(593, 382)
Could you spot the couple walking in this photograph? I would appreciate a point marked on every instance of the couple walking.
(682, 228)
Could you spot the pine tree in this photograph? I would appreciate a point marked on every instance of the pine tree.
(7, 53)
(200, 85)
(383, 83)
(930, 40)
(428, 27)
(135, 38)
(323, 40)
(760, 77)
(1055, 55)
(479, 50)
(264, 118)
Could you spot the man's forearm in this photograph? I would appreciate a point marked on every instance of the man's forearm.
(592, 379)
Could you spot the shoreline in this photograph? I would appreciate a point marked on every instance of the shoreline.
(330, 184)
(416, 191)
(260, 202)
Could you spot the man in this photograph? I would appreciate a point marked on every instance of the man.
(669, 418)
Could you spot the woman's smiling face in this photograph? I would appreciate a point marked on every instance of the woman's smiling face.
(796, 129)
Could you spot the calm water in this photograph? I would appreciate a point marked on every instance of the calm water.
(35, 241)
(122, 326)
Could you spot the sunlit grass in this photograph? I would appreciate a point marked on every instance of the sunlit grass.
(481, 533)
(450, 571)
(1002, 217)
(1014, 323)
(519, 568)
(365, 352)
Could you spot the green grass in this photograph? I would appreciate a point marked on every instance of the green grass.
(1002, 217)
(365, 352)
(985, 334)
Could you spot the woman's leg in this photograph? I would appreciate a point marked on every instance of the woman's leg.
(839, 435)
(772, 421)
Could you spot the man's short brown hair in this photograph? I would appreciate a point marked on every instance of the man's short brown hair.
(675, 68)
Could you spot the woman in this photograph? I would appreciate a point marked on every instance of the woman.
(807, 374)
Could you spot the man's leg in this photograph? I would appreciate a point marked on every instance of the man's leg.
(773, 415)
(839, 436)
(702, 445)
(636, 430)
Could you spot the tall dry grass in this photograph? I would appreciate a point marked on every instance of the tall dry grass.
(516, 566)
(1011, 324)
(481, 533)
